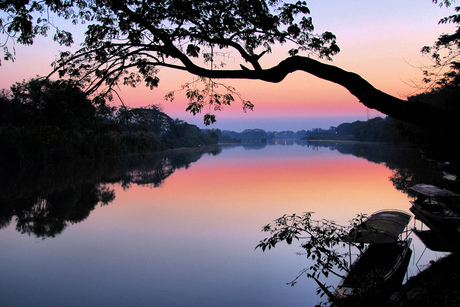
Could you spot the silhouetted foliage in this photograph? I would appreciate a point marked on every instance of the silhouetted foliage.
(126, 42)
(45, 120)
(445, 71)
(53, 103)
(376, 129)
(321, 241)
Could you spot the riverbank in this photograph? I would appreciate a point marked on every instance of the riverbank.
(438, 285)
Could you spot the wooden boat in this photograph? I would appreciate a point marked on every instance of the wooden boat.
(441, 237)
(383, 226)
(431, 203)
(381, 266)
(429, 190)
(384, 262)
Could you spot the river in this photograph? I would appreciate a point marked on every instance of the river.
(180, 229)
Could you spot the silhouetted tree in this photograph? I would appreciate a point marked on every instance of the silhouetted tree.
(150, 119)
(51, 103)
(127, 41)
(445, 71)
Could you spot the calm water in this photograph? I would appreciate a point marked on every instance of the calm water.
(181, 229)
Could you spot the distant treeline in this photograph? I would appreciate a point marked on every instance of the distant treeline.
(386, 130)
(389, 130)
(258, 135)
(374, 130)
(439, 145)
(42, 121)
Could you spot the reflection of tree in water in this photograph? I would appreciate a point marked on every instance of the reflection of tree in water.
(44, 202)
(45, 211)
(49, 215)
(254, 146)
(152, 177)
(153, 170)
(408, 164)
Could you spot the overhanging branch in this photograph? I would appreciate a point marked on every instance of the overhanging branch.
(416, 112)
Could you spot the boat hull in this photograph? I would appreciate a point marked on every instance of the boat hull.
(437, 214)
(381, 266)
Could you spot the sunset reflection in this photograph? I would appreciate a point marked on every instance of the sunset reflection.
(190, 237)
(229, 190)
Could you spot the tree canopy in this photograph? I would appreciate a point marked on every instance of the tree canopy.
(445, 71)
(126, 42)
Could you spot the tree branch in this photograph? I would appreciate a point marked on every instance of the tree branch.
(416, 112)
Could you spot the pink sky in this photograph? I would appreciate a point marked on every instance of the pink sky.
(381, 41)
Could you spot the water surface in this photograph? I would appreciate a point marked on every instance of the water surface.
(181, 229)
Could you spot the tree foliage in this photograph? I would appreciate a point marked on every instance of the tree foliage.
(128, 42)
(52, 103)
(445, 53)
(43, 121)
(321, 241)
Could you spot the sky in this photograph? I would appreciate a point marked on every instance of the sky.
(380, 40)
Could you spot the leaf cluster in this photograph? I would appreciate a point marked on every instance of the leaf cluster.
(127, 42)
(203, 92)
(321, 241)
(22, 21)
(445, 52)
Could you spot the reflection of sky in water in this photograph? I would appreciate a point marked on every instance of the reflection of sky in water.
(191, 241)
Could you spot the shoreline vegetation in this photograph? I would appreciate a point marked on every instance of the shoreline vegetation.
(23, 146)
(435, 144)
(45, 122)
(55, 123)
